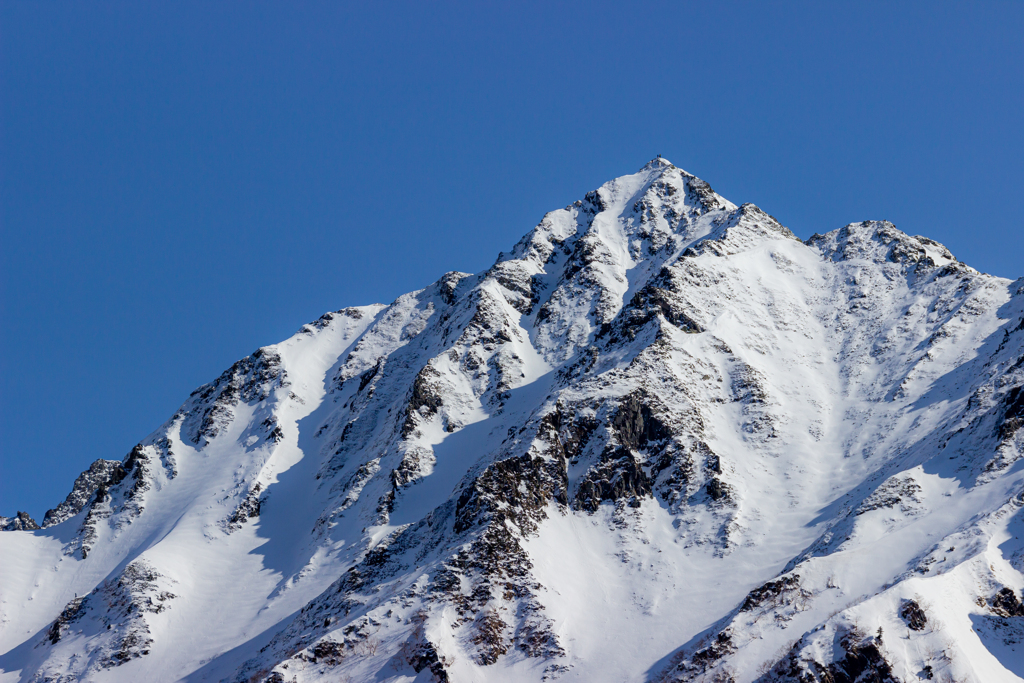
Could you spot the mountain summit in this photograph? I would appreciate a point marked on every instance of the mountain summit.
(661, 439)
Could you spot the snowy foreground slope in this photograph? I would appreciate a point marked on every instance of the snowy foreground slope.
(661, 439)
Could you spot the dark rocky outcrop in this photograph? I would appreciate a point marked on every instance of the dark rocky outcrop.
(620, 474)
(414, 463)
(858, 659)
(139, 466)
(22, 521)
(717, 489)
(896, 492)
(882, 242)
(248, 509)
(425, 656)
(490, 637)
(700, 195)
(507, 502)
(863, 662)
(914, 616)
(71, 613)
(565, 435)
(769, 592)
(655, 298)
(635, 423)
(122, 492)
(1005, 603)
(329, 652)
(113, 618)
(518, 283)
(516, 489)
(425, 400)
(102, 473)
(250, 379)
(494, 514)
(1013, 416)
(699, 664)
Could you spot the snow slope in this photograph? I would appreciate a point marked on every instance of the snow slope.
(661, 439)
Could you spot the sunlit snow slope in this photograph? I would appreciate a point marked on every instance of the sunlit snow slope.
(661, 439)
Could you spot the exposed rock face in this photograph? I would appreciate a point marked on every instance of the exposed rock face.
(248, 509)
(250, 380)
(20, 522)
(769, 591)
(1005, 603)
(661, 439)
(113, 619)
(1013, 417)
(102, 473)
(913, 615)
(856, 657)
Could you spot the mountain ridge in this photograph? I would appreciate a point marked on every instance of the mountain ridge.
(519, 474)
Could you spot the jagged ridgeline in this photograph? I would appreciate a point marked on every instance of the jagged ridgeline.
(661, 439)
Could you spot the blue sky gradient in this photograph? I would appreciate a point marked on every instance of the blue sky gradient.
(181, 183)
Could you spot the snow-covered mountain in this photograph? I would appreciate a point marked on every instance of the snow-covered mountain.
(661, 439)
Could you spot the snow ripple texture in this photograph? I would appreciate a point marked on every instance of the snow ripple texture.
(661, 439)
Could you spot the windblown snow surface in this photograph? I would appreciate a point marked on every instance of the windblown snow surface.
(662, 439)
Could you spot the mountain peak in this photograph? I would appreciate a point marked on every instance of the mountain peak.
(653, 390)
(657, 162)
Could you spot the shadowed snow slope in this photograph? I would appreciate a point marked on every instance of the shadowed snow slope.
(661, 439)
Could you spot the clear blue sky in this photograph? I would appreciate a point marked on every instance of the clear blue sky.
(181, 183)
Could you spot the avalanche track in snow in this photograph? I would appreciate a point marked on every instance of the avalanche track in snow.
(661, 439)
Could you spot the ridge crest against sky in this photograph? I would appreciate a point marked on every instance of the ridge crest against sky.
(182, 184)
